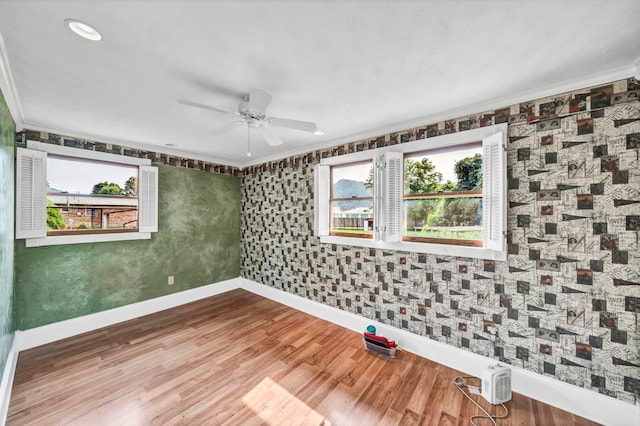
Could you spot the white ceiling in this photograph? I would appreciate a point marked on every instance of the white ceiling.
(356, 68)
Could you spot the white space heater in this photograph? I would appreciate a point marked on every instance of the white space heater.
(496, 384)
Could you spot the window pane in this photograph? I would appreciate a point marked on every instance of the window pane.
(352, 220)
(353, 182)
(449, 218)
(444, 170)
(90, 195)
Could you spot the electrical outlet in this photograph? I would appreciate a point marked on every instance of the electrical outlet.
(171, 280)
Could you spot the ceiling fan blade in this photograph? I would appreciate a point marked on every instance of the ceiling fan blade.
(227, 127)
(203, 106)
(259, 100)
(306, 126)
(201, 82)
(269, 135)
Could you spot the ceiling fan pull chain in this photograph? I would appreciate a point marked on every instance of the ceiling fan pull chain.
(248, 141)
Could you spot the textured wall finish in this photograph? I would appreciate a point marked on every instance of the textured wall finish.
(567, 300)
(7, 214)
(197, 242)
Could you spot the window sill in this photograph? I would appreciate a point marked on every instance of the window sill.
(82, 239)
(444, 241)
(438, 249)
(66, 233)
(348, 235)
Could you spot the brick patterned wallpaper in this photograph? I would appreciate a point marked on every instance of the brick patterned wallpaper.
(565, 304)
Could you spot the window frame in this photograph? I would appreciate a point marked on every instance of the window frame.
(31, 196)
(494, 214)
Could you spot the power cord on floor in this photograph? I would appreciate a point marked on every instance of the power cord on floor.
(460, 383)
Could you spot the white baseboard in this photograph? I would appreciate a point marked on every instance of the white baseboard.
(38, 336)
(7, 381)
(582, 402)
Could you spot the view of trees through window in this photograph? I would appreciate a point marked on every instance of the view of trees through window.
(90, 196)
(110, 188)
(442, 196)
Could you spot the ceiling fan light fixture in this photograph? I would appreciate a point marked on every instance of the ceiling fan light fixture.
(318, 132)
(83, 30)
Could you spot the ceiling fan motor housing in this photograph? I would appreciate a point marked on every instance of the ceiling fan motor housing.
(246, 111)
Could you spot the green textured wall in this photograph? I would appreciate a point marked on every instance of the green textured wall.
(198, 242)
(7, 142)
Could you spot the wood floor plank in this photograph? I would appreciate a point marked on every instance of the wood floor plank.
(240, 359)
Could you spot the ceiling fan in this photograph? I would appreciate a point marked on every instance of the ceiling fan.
(252, 113)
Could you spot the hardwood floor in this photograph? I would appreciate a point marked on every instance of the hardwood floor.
(238, 358)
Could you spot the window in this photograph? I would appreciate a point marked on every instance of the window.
(444, 195)
(352, 200)
(66, 196)
(78, 188)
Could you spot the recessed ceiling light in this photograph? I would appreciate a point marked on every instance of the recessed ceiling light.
(83, 30)
(318, 132)
(171, 144)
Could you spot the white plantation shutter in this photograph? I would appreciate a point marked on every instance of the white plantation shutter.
(31, 194)
(378, 198)
(393, 196)
(321, 193)
(494, 192)
(148, 199)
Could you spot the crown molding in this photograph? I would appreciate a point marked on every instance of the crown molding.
(31, 125)
(8, 87)
(9, 91)
(469, 109)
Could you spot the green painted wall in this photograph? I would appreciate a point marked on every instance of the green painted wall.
(7, 214)
(198, 242)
